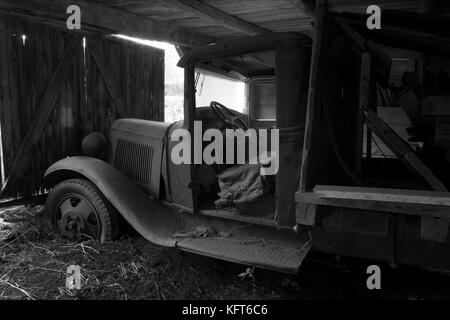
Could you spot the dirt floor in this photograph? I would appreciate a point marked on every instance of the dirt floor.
(34, 261)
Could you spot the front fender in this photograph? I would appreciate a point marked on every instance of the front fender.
(153, 220)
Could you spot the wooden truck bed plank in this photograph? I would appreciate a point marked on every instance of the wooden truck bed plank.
(425, 197)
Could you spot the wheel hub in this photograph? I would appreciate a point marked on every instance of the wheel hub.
(76, 218)
(74, 225)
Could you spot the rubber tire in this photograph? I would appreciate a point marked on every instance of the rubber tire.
(108, 215)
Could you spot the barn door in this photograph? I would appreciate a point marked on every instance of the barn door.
(55, 87)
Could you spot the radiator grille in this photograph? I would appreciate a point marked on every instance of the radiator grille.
(134, 160)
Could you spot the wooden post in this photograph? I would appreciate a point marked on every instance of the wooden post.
(292, 71)
(431, 228)
(426, 6)
(4, 82)
(364, 97)
(367, 100)
(316, 77)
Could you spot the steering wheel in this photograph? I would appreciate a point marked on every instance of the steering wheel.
(229, 118)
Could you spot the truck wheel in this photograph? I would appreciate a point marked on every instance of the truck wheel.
(78, 210)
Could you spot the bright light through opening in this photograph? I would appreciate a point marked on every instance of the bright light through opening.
(174, 78)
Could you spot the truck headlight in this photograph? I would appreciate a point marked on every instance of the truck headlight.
(95, 145)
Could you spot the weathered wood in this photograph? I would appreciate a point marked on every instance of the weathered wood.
(430, 228)
(216, 16)
(373, 103)
(421, 210)
(389, 137)
(182, 50)
(364, 98)
(432, 206)
(84, 103)
(305, 212)
(111, 85)
(42, 113)
(384, 194)
(381, 60)
(104, 20)
(315, 87)
(402, 150)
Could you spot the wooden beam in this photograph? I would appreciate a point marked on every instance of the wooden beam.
(398, 207)
(182, 50)
(111, 84)
(104, 20)
(401, 149)
(216, 16)
(42, 112)
(425, 197)
(431, 228)
(432, 206)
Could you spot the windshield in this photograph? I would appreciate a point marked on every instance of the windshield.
(215, 87)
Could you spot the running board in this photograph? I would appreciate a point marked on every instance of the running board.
(264, 254)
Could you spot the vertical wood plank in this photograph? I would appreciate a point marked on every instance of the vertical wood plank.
(84, 103)
(43, 112)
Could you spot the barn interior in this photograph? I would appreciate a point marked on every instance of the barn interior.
(58, 85)
(374, 156)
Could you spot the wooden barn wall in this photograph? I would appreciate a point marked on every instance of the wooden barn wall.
(84, 103)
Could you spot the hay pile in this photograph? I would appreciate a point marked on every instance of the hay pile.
(34, 262)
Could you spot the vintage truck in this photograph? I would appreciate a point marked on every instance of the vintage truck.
(330, 193)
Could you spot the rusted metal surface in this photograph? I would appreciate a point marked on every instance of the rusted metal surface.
(137, 150)
(266, 255)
